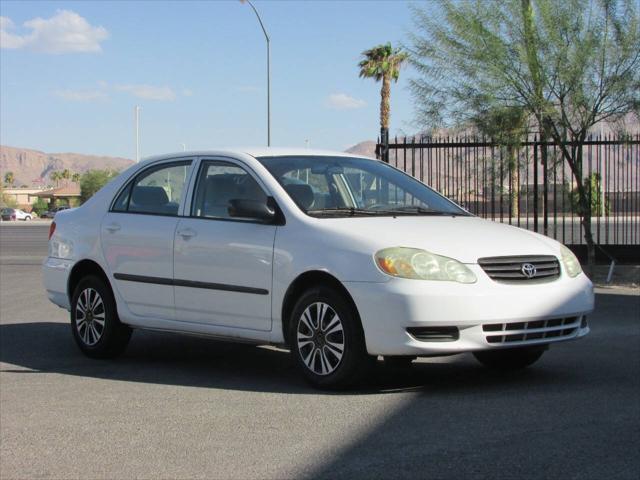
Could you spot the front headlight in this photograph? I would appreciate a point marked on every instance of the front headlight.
(570, 262)
(419, 264)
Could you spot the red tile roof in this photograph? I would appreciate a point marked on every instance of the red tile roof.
(71, 190)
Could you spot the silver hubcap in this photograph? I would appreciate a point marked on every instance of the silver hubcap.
(320, 338)
(90, 316)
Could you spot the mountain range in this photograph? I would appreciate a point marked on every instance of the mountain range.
(33, 167)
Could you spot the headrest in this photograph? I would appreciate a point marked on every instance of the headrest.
(220, 189)
(223, 182)
(302, 194)
(149, 196)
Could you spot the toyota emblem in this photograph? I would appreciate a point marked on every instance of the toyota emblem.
(528, 270)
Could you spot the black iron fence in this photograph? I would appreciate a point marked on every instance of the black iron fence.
(530, 185)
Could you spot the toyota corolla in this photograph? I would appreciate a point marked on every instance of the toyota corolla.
(340, 258)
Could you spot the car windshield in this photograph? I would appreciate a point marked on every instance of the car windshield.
(324, 186)
(7, 211)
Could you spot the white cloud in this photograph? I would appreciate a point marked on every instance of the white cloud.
(148, 92)
(104, 90)
(342, 101)
(65, 32)
(80, 95)
(8, 40)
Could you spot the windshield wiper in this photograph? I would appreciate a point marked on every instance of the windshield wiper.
(415, 210)
(406, 210)
(349, 211)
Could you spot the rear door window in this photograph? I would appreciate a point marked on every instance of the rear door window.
(156, 191)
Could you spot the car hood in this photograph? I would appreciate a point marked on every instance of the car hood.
(464, 238)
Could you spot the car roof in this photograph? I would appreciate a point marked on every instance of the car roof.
(255, 152)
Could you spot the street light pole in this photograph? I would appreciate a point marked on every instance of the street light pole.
(137, 114)
(266, 36)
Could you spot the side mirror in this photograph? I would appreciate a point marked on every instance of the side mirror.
(251, 209)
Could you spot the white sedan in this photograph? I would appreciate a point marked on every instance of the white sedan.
(338, 257)
(15, 214)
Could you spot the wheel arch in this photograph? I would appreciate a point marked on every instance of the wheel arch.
(305, 281)
(82, 269)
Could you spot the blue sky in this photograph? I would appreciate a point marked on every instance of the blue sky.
(70, 80)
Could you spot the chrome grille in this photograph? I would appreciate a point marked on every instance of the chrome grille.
(512, 269)
(555, 328)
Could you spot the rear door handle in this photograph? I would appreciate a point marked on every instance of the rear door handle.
(112, 227)
(187, 233)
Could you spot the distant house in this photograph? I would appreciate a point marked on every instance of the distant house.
(23, 197)
(66, 195)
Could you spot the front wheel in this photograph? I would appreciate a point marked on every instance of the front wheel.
(327, 341)
(94, 320)
(27, 218)
(509, 358)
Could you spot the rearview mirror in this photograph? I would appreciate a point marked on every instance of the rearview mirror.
(251, 209)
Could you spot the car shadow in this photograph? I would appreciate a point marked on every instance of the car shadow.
(573, 415)
(160, 358)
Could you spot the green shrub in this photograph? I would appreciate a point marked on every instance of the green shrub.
(593, 190)
(8, 202)
(40, 206)
(94, 180)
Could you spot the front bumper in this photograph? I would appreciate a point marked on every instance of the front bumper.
(55, 276)
(388, 309)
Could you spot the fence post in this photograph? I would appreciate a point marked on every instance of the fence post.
(545, 189)
(535, 183)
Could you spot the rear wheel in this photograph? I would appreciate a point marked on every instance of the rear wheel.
(327, 341)
(509, 358)
(94, 320)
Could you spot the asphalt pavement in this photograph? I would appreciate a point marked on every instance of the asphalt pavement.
(183, 407)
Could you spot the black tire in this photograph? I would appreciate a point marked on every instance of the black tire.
(509, 358)
(113, 336)
(354, 365)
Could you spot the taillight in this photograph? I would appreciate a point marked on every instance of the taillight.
(52, 228)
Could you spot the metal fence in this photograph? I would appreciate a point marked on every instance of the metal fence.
(530, 185)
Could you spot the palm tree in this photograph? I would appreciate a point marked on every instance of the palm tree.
(75, 178)
(383, 63)
(66, 175)
(9, 178)
(56, 176)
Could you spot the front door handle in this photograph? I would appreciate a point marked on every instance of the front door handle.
(112, 227)
(187, 233)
